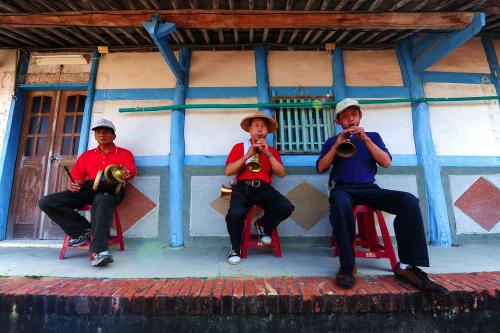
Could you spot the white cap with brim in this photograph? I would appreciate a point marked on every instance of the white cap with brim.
(103, 123)
(346, 103)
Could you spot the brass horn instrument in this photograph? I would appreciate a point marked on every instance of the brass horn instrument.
(254, 165)
(110, 180)
(346, 149)
(225, 190)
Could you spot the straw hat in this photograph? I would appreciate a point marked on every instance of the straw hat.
(272, 125)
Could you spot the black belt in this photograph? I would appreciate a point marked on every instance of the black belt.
(254, 183)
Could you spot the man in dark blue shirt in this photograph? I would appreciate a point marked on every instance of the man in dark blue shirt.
(354, 184)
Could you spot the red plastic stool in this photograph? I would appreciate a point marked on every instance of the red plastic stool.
(252, 240)
(367, 237)
(118, 239)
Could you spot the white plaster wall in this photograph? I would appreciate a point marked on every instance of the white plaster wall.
(464, 128)
(299, 68)
(393, 122)
(145, 134)
(127, 70)
(222, 69)
(215, 131)
(372, 68)
(468, 58)
(7, 79)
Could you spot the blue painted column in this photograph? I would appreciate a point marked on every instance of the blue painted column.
(439, 226)
(339, 87)
(263, 90)
(89, 104)
(177, 153)
(491, 55)
(10, 145)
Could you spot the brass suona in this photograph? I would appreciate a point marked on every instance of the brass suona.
(110, 179)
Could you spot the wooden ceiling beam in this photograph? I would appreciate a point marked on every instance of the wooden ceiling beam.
(245, 19)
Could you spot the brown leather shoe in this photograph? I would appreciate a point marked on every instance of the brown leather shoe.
(420, 280)
(346, 276)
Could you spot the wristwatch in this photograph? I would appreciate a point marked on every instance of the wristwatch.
(269, 155)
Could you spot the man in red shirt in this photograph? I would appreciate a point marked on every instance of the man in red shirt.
(60, 207)
(254, 187)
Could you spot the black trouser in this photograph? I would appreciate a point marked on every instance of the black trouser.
(408, 225)
(60, 207)
(276, 209)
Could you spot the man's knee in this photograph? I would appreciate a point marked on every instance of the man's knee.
(44, 203)
(409, 200)
(104, 199)
(285, 207)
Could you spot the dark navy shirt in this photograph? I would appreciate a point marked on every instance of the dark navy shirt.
(357, 169)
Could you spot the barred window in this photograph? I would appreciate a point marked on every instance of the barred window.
(302, 130)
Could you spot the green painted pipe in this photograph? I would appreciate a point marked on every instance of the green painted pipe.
(312, 104)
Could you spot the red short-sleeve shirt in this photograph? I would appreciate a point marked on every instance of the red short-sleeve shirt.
(244, 174)
(90, 162)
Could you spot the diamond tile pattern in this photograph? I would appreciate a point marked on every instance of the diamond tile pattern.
(134, 207)
(310, 204)
(481, 202)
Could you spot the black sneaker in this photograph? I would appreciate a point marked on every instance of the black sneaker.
(420, 280)
(234, 257)
(345, 276)
(80, 240)
(101, 258)
(263, 237)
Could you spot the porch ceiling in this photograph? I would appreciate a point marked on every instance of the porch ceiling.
(61, 24)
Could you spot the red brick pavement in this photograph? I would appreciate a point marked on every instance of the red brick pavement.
(288, 295)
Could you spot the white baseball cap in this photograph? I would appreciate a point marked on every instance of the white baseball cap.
(100, 123)
(345, 103)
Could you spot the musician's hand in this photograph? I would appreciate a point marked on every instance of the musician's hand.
(251, 151)
(359, 132)
(75, 187)
(263, 146)
(343, 136)
(125, 173)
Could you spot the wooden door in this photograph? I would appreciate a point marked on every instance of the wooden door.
(49, 140)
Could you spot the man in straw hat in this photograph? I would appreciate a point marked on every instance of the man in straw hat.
(254, 184)
(354, 178)
(60, 207)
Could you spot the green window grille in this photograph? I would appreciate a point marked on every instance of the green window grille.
(302, 130)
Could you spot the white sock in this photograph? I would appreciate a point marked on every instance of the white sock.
(403, 266)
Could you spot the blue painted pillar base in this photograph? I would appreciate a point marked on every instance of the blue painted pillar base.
(439, 225)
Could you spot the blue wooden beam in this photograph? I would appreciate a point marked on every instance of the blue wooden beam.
(339, 87)
(439, 226)
(53, 86)
(491, 55)
(450, 42)
(425, 43)
(159, 33)
(263, 90)
(11, 144)
(89, 103)
(177, 153)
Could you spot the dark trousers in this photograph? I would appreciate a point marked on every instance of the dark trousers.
(276, 209)
(408, 225)
(60, 207)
